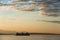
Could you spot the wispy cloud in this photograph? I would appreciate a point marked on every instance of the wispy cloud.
(52, 21)
(6, 8)
(53, 14)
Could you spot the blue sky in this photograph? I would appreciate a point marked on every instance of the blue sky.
(5, 1)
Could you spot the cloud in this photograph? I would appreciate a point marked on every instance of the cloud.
(6, 8)
(52, 21)
(52, 10)
(53, 13)
(10, 2)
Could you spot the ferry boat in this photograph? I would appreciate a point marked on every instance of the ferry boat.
(22, 34)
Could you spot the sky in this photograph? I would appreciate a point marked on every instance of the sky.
(29, 21)
(5, 1)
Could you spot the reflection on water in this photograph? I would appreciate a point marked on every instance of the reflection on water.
(32, 37)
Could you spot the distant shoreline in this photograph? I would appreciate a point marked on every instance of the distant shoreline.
(31, 34)
(44, 34)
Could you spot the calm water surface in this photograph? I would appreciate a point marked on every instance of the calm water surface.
(31, 37)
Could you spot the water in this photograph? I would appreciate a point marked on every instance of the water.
(31, 37)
